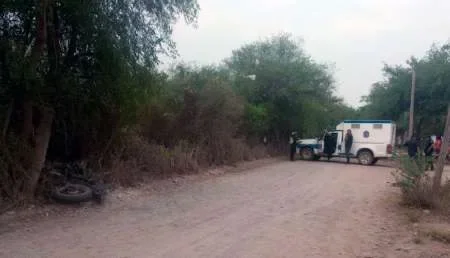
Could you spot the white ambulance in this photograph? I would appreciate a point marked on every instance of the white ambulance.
(372, 140)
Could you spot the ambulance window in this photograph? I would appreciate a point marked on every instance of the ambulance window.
(377, 126)
(355, 126)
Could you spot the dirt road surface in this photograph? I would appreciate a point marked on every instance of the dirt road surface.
(285, 209)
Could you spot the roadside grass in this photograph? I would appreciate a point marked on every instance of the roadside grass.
(429, 214)
(441, 234)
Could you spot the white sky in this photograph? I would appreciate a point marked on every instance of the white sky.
(357, 36)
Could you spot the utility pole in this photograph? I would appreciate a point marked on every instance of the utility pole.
(411, 105)
(441, 161)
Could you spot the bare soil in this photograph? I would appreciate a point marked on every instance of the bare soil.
(281, 209)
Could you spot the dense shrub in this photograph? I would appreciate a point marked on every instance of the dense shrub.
(79, 82)
(414, 182)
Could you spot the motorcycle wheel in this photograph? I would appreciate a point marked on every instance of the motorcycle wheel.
(72, 193)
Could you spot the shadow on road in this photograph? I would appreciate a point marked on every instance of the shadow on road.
(338, 161)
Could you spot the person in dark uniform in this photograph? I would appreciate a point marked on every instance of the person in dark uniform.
(428, 151)
(348, 144)
(412, 145)
(293, 142)
(328, 148)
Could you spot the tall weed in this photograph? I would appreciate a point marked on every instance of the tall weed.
(414, 182)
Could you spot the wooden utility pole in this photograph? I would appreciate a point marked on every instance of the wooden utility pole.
(441, 161)
(411, 105)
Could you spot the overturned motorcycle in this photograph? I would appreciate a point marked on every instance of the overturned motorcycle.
(70, 183)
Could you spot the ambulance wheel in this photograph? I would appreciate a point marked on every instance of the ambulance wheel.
(365, 157)
(307, 153)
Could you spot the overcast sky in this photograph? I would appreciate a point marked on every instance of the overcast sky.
(357, 36)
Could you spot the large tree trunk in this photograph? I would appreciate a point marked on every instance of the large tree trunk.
(7, 119)
(441, 161)
(39, 152)
(27, 126)
(41, 136)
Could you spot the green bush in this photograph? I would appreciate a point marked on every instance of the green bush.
(414, 182)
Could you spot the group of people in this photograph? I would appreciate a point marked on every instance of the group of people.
(431, 148)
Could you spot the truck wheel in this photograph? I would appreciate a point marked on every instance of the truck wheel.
(307, 153)
(374, 161)
(365, 157)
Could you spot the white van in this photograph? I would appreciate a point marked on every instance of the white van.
(372, 140)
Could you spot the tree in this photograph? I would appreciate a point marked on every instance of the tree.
(91, 62)
(389, 99)
(290, 90)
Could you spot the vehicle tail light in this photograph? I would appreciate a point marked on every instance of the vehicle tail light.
(389, 149)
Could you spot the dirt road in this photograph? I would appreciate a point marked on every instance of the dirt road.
(300, 209)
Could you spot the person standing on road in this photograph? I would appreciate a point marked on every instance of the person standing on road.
(428, 151)
(348, 144)
(328, 145)
(293, 142)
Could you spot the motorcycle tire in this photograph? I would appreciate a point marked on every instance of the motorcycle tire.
(72, 193)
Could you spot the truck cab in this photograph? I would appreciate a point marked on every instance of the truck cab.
(372, 140)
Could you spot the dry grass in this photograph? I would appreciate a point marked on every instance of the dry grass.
(139, 160)
(420, 196)
(201, 131)
(439, 233)
(444, 200)
(416, 187)
(436, 226)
